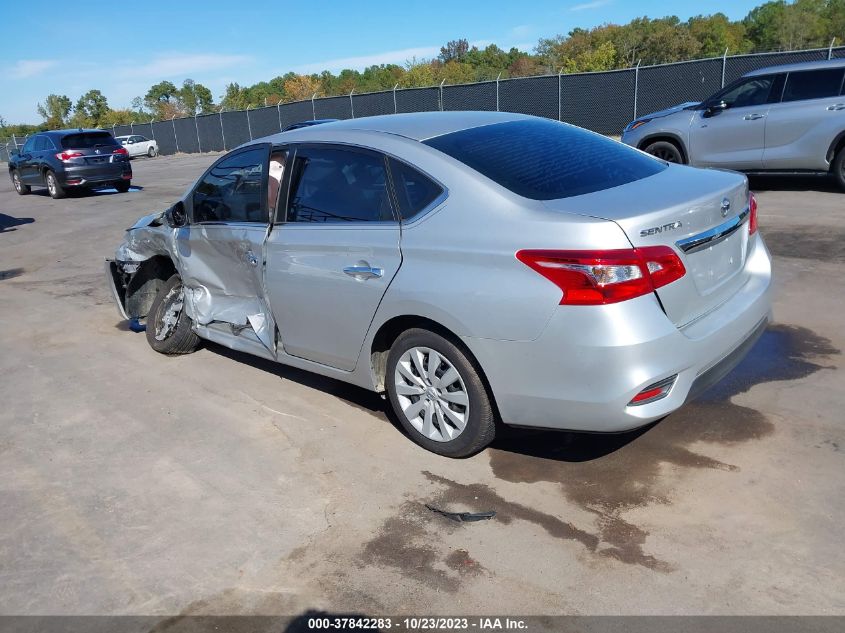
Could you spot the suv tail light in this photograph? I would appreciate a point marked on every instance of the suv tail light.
(752, 214)
(67, 155)
(121, 150)
(602, 277)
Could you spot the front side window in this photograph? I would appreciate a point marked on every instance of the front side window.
(545, 160)
(140, 139)
(338, 185)
(233, 190)
(813, 84)
(414, 191)
(42, 144)
(752, 92)
(29, 146)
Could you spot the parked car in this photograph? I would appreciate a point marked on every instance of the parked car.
(138, 145)
(309, 123)
(476, 267)
(62, 160)
(778, 119)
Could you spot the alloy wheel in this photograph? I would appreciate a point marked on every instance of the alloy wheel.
(16, 180)
(51, 184)
(431, 394)
(666, 154)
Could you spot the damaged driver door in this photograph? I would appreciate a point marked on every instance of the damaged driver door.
(221, 249)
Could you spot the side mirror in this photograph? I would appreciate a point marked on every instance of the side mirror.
(130, 142)
(175, 216)
(715, 108)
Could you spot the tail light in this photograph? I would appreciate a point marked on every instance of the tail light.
(752, 214)
(66, 156)
(602, 277)
(121, 150)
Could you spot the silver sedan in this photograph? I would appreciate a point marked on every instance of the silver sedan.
(478, 268)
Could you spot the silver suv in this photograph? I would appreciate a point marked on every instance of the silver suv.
(778, 119)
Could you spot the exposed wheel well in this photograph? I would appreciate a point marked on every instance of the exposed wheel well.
(390, 331)
(144, 284)
(667, 139)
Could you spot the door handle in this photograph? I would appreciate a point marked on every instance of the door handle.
(363, 272)
(753, 117)
(251, 258)
(836, 106)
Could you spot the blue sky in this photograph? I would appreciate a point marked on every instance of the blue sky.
(123, 49)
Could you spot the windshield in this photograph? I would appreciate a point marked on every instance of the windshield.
(544, 160)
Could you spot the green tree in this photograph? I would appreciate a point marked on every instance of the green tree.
(455, 50)
(90, 109)
(55, 111)
(162, 100)
(194, 98)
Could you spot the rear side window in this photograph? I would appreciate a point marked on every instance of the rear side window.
(545, 160)
(87, 140)
(813, 84)
(332, 185)
(414, 191)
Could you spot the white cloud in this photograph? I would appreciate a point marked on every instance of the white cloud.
(522, 30)
(184, 65)
(363, 61)
(26, 68)
(589, 5)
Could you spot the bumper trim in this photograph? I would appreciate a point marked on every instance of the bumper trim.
(722, 368)
(113, 280)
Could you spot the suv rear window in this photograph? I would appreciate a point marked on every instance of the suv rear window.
(87, 140)
(545, 160)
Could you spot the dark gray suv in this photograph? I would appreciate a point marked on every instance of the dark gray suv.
(70, 159)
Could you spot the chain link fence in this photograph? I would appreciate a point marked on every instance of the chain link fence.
(603, 101)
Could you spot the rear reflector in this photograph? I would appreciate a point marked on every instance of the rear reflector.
(73, 181)
(602, 277)
(752, 214)
(654, 392)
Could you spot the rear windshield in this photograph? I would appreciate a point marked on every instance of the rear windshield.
(545, 160)
(87, 140)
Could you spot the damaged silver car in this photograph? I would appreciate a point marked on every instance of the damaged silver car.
(476, 267)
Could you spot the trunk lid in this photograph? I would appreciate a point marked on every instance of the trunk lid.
(701, 214)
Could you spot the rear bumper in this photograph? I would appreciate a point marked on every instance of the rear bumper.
(94, 175)
(588, 364)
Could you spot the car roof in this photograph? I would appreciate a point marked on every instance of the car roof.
(70, 131)
(785, 68)
(417, 126)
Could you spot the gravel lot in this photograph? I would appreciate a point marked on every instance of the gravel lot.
(218, 483)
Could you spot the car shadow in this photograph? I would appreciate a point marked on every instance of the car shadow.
(362, 399)
(8, 222)
(568, 446)
(85, 193)
(821, 182)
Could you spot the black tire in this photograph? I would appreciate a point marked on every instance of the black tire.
(666, 150)
(21, 188)
(151, 152)
(480, 424)
(122, 186)
(180, 339)
(837, 168)
(55, 190)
